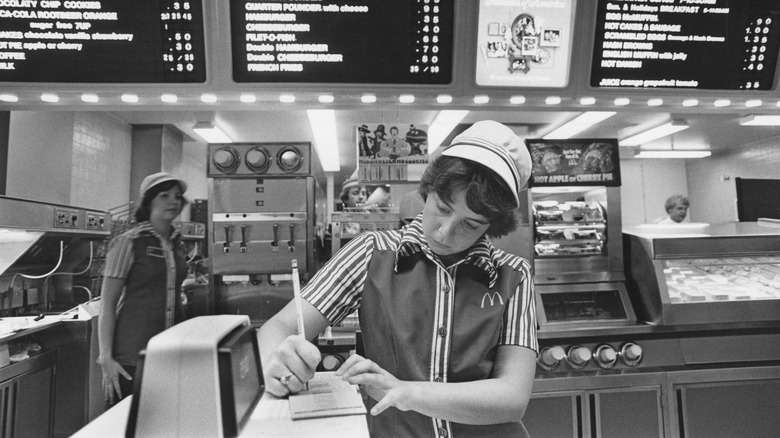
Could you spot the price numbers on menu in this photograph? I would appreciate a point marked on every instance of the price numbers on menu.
(427, 41)
(756, 43)
(177, 31)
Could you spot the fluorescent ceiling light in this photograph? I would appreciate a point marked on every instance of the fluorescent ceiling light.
(368, 98)
(690, 102)
(169, 98)
(442, 125)
(622, 101)
(248, 98)
(720, 103)
(655, 102)
(286, 98)
(673, 153)
(552, 100)
(481, 99)
(760, 120)
(578, 124)
(668, 128)
(326, 98)
(753, 103)
(208, 98)
(588, 101)
(130, 98)
(323, 127)
(211, 133)
(406, 98)
(9, 98)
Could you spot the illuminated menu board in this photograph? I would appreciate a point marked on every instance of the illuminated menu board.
(105, 41)
(701, 44)
(331, 41)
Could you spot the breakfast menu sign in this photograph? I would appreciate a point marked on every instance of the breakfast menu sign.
(576, 162)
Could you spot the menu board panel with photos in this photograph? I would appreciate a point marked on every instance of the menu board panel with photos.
(574, 162)
(337, 41)
(702, 44)
(106, 41)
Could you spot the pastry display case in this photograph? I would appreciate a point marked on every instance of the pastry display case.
(707, 274)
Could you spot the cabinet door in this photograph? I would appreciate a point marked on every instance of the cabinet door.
(729, 409)
(554, 415)
(627, 412)
(27, 404)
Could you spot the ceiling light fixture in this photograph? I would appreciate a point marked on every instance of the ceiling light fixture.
(286, 98)
(129, 98)
(622, 101)
(517, 100)
(481, 99)
(673, 153)
(211, 133)
(442, 125)
(667, 128)
(752, 103)
(760, 120)
(655, 102)
(368, 98)
(11, 98)
(587, 101)
(690, 102)
(169, 98)
(406, 98)
(552, 100)
(50, 97)
(326, 98)
(323, 127)
(248, 98)
(444, 98)
(578, 124)
(208, 98)
(720, 103)
(90, 98)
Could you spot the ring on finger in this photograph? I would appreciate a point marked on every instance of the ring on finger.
(284, 380)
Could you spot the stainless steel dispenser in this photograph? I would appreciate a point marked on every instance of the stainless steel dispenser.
(261, 216)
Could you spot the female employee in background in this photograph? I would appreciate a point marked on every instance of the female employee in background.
(448, 320)
(676, 209)
(141, 285)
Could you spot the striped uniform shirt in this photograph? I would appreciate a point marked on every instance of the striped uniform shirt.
(422, 321)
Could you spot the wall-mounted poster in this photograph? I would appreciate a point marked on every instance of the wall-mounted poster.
(524, 43)
(392, 151)
(574, 162)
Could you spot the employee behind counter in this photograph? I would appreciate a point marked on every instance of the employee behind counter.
(448, 320)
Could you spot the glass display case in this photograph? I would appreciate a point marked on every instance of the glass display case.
(706, 274)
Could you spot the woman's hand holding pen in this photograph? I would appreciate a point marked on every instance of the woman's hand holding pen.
(291, 366)
(381, 385)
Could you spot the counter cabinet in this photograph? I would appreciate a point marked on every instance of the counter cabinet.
(27, 393)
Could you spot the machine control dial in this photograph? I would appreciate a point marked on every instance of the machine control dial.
(226, 159)
(578, 356)
(551, 357)
(289, 159)
(631, 354)
(257, 159)
(605, 356)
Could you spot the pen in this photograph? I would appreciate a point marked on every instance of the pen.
(297, 297)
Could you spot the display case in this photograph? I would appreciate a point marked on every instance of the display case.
(699, 273)
(578, 259)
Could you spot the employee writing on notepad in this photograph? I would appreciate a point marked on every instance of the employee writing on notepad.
(448, 320)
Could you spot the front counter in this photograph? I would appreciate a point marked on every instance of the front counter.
(702, 358)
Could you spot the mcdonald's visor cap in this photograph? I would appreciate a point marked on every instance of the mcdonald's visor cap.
(497, 147)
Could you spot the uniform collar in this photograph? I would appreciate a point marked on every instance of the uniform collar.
(146, 227)
(481, 254)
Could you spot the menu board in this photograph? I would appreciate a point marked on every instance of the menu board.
(574, 162)
(105, 41)
(700, 44)
(332, 41)
(524, 43)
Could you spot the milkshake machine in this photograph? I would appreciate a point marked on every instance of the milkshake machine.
(260, 218)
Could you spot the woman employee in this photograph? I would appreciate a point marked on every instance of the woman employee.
(448, 320)
(142, 281)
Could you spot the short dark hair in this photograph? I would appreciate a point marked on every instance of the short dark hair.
(486, 192)
(674, 199)
(144, 211)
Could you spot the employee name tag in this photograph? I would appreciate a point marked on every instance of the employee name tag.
(155, 252)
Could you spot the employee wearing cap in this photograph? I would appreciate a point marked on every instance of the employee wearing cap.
(142, 279)
(447, 319)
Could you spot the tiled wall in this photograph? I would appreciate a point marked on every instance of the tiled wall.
(712, 188)
(100, 175)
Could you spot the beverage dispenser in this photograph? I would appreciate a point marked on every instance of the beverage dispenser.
(260, 218)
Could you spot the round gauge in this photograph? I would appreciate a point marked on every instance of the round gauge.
(258, 159)
(225, 159)
(289, 159)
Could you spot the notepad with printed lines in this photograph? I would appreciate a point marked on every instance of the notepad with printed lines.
(327, 396)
